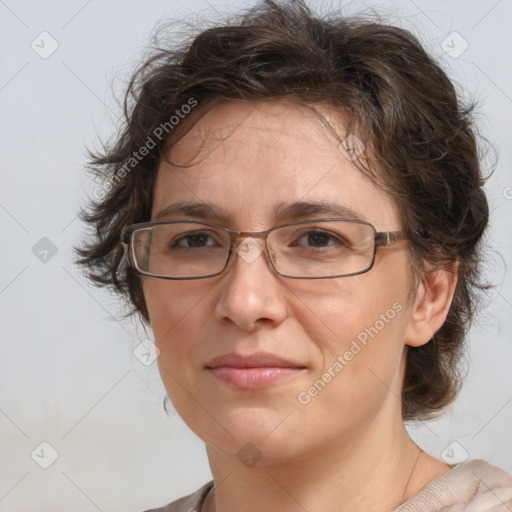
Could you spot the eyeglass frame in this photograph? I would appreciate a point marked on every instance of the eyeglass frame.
(382, 239)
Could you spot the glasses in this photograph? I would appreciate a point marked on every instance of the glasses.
(308, 249)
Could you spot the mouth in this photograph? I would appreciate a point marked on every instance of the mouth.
(255, 371)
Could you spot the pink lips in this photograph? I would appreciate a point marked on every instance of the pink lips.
(254, 371)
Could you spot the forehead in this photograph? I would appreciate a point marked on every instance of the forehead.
(278, 125)
(251, 159)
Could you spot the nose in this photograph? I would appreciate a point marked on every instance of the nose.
(252, 293)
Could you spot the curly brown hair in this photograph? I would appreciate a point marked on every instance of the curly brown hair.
(422, 140)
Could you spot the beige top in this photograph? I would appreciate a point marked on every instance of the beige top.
(474, 486)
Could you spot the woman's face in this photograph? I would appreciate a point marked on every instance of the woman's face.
(344, 337)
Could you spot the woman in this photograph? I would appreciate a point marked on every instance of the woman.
(296, 208)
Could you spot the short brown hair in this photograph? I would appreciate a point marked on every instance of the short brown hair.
(421, 140)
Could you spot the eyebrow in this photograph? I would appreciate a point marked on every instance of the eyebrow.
(198, 210)
(283, 212)
(302, 209)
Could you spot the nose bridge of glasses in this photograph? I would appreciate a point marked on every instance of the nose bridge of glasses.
(249, 246)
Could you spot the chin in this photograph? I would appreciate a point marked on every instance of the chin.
(250, 450)
(270, 434)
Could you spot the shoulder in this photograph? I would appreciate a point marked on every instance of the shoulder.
(191, 503)
(474, 485)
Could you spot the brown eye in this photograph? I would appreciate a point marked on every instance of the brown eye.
(319, 239)
(196, 239)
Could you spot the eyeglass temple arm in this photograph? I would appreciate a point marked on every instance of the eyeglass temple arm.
(389, 237)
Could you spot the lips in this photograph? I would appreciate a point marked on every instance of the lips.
(254, 371)
(258, 360)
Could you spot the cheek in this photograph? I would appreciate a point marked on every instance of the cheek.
(357, 326)
(177, 315)
(170, 302)
(339, 310)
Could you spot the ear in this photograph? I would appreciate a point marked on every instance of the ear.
(431, 305)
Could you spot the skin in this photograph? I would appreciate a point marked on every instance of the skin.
(347, 449)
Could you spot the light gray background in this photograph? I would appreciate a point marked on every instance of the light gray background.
(67, 372)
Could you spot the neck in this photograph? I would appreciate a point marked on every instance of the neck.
(374, 472)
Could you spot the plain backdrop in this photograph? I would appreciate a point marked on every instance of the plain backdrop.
(68, 374)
